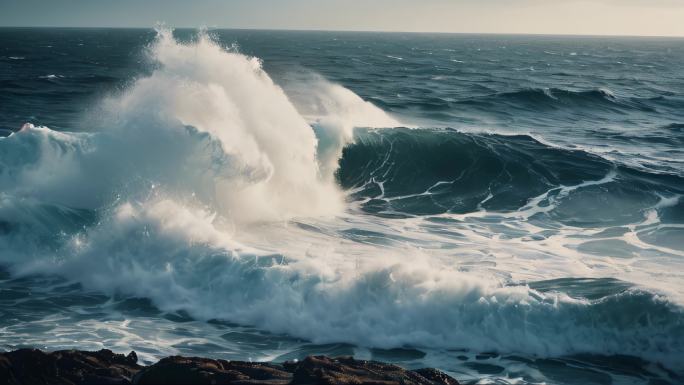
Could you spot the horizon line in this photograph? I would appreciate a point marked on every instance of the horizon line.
(351, 31)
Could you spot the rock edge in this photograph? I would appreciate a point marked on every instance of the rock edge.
(74, 367)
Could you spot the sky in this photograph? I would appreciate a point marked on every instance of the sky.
(575, 17)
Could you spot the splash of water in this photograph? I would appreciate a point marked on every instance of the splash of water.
(208, 125)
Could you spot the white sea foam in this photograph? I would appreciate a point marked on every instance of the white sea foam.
(334, 112)
(206, 123)
(331, 289)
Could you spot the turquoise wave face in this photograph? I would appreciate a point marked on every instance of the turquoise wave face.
(506, 208)
(434, 171)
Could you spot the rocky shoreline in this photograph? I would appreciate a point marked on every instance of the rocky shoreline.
(74, 367)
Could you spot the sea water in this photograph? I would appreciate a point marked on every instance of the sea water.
(505, 208)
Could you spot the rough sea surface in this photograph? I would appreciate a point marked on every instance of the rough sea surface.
(505, 208)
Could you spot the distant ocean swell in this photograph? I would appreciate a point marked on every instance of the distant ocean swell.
(596, 100)
(555, 98)
(196, 165)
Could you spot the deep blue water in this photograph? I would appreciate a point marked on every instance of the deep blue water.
(506, 208)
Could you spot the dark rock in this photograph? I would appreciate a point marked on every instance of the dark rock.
(66, 367)
(194, 370)
(436, 376)
(342, 371)
(71, 367)
(132, 357)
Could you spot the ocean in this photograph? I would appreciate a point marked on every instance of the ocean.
(505, 208)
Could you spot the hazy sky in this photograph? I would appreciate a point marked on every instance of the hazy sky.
(611, 17)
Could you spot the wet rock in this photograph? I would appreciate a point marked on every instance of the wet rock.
(71, 367)
(66, 367)
(193, 370)
(347, 371)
